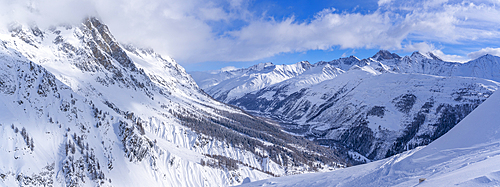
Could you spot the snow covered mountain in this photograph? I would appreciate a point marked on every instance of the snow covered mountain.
(232, 84)
(468, 155)
(376, 115)
(375, 107)
(487, 66)
(79, 109)
(225, 85)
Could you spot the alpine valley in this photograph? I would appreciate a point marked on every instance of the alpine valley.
(80, 109)
(468, 155)
(371, 108)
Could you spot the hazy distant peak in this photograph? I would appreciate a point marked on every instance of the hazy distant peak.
(228, 68)
(304, 64)
(434, 56)
(418, 54)
(261, 66)
(385, 55)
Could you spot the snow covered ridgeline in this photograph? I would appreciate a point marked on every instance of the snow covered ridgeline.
(468, 155)
(229, 84)
(372, 108)
(80, 109)
(225, 85)
(376, 115)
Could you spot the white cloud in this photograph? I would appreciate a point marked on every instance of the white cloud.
(189, 30)
(228, 68)
(425, 48)
(383, 2)
(450, 58)
(324, 12)
(45, 12)
(484, 51)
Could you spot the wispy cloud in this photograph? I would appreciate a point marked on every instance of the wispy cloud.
(383, 2)
(425, 48)
(484, 51)
(190, 30)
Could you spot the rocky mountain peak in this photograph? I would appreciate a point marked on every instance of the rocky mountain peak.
(90, 108)
(488, 57)
(350, 60)
(385, 55)
(433, 56)
(102, 43)
(417, 54)
(304, 64)
(261, 66)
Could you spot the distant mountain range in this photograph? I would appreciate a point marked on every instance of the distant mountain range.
(373, 108)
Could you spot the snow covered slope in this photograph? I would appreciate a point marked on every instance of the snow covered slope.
(79, 109)
(376, 107)
(228, 85)
(374, 114)
(468, 155)
(487, 66)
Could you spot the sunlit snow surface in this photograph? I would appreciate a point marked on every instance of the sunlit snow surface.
(43, 91)
(79, 109)
(376, 107)
(468, 155)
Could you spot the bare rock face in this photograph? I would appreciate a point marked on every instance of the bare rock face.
(78, 108)
(385, 55)
(102, 40)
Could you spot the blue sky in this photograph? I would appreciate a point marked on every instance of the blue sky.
(451, 48)
(302, 11)
(211, 34)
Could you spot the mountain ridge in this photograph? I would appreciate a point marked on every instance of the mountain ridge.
(84, 110)
(332, 103)
(415, 63)
(450, 160)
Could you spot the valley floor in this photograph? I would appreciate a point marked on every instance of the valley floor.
(468, 155)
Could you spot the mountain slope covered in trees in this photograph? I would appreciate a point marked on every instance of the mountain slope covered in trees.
(374, 107)
(467, 155)
(80, 109)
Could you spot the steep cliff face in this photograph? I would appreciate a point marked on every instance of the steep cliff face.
(80, 109)
(379, 106)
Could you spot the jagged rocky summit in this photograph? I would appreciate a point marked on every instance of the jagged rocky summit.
(80, 109)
